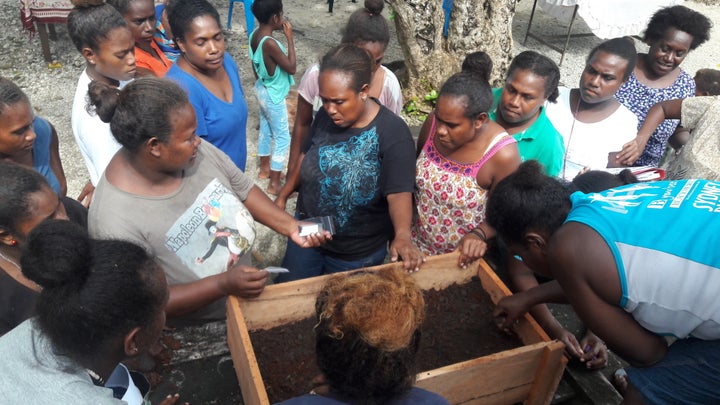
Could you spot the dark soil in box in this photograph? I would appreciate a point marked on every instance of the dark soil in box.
(458, 327)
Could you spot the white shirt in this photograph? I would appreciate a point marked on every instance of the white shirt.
(93, 137)
(589, 144)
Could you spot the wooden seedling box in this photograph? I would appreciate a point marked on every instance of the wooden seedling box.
(528, 374)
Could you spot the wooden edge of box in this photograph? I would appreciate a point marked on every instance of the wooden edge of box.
(541, 359)
(295, 300)
(548, 374)
(243, 356)
(515, 371)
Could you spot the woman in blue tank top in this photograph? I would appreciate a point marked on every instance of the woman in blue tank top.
(637, 263)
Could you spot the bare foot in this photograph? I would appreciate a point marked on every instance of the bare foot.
(274, 189)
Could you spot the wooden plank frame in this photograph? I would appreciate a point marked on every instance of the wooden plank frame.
(528, 374)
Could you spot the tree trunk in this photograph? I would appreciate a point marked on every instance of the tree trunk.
(475, 25)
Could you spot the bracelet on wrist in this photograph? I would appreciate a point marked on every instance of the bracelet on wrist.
(479, 233)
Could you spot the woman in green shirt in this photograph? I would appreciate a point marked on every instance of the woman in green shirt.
(531, 81)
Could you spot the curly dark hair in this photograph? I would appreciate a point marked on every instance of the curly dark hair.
(120, 5)
(94, 291)
(368, 334)
(263, 10)
(595, 181)
(527, 200)
(681, 18)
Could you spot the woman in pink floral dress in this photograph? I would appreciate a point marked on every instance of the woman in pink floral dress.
(463, 156)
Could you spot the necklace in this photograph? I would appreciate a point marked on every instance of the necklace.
(17, 275)
(95, 377)
(7, 259)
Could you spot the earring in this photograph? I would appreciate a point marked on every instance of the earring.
(13, 242)
(134, 349)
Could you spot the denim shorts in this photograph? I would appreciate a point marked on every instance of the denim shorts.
(688, 374)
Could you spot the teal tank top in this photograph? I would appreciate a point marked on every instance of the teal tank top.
(277, 85)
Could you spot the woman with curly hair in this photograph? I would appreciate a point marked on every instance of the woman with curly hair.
(671, 34)
(367, 338)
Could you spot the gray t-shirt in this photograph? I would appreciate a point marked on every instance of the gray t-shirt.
(33, 374)
(195, 232)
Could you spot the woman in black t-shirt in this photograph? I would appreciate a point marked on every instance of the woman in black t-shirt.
(357, 166)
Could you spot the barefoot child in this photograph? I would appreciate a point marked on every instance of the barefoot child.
(274, 67)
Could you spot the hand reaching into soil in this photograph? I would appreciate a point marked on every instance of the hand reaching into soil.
(471, 248)
(509, 310)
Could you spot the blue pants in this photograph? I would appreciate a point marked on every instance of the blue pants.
(249, 16)
(305, 263)
(688, 374)
(274, 137)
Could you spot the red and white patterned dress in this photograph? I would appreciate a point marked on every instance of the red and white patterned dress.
(449, 200)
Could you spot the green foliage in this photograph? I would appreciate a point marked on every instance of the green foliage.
(420, 107)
